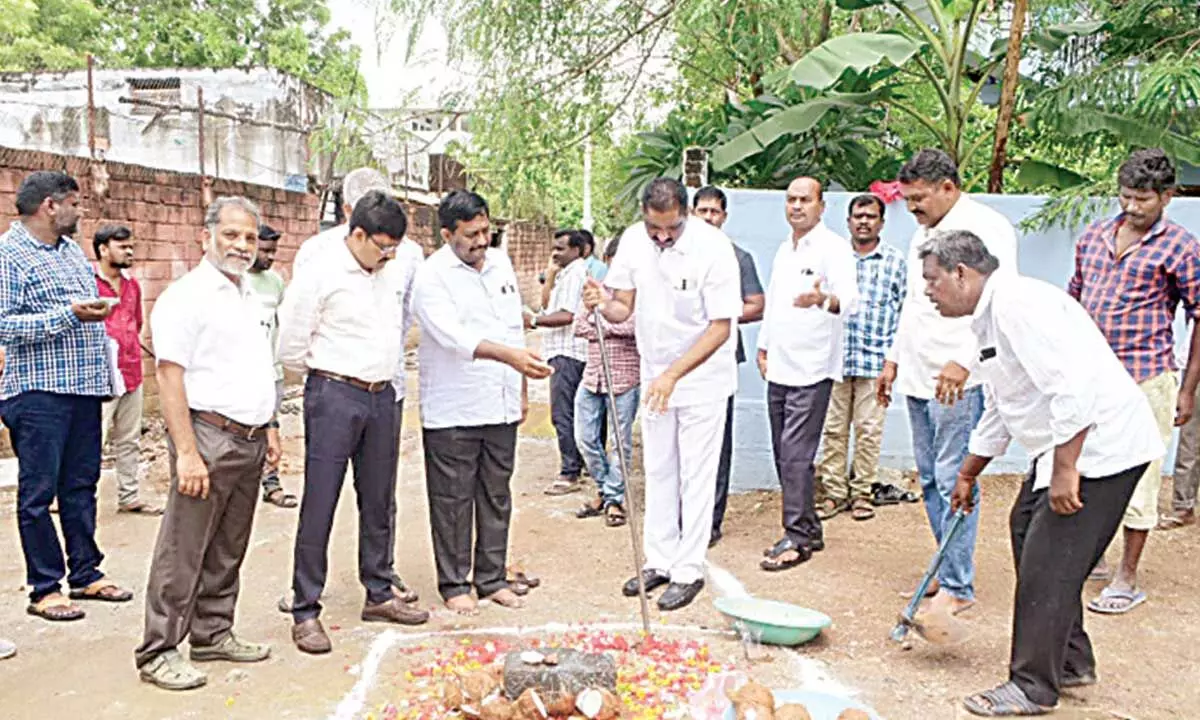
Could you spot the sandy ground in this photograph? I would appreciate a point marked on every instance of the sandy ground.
(85, 669)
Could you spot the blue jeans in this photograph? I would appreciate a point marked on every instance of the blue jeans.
(589, 436)
(56, 439)
(940, 436)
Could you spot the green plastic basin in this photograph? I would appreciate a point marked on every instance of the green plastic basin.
(771, 622)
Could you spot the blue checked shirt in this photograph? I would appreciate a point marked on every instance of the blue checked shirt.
(882, 275)
(49, 349)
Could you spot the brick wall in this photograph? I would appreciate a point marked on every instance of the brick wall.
(165, 211)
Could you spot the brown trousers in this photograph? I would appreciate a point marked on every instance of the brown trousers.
(193, 584)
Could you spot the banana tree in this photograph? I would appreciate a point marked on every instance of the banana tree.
(932, 44)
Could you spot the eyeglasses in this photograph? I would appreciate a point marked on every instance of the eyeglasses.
(385, 250)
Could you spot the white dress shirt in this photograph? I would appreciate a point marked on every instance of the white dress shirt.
(459, 307)
(1049, 373)
(567, 295)
(210, 327)
(804, 345)
(342, 319)
(926, 341)
(680, 291)
(318, 244)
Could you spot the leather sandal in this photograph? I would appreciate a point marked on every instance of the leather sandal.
(56, 608)
(104, 590)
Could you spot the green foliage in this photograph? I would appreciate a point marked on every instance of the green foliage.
(47, 34)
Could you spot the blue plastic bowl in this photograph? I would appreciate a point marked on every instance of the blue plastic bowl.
(820, 705)
(771, 622)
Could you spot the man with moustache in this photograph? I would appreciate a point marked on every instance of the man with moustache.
(217, 392)
(682, 277)
(813, 289)
(882, 275)
(932, 359)
(340, 321)
(473, 371)
(56, 375)
(268, 287)
(710, 205)
(1131, 272)
(121, 416)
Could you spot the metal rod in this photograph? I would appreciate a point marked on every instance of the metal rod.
(200, 117)
(177, 107)
(91, 107)
(631, 502)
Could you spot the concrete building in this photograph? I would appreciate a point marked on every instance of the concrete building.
(149, 118)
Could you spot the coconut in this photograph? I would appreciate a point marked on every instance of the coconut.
(496, 708)
(558, 703)
(478, 685)
(754, 711)
(452, 695)
(853, 714)
(752, 693)
(532, 657)
(529, 706)
(792, 712)
(598, 704)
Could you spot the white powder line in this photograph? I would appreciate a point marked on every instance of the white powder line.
(558, 628)
(351, 705)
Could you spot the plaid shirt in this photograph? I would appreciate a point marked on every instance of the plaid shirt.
(1133, 298)
(49, 349)
(869, 332)
(622, 353)
(567, 295)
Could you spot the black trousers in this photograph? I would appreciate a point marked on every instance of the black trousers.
(1053, 555)
(342, 424)
(568, 373)
(467, 474)
(723, 468)
(797, 416)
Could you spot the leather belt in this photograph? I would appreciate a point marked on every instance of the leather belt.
(233, 427)
(371, 387)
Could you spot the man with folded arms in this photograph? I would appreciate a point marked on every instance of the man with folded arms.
(474, 366)
(340, 322)
(216, 384)
(1052, 384)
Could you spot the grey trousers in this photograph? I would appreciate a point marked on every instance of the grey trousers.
(1187, 470)
(194, 573)
(797, 416)
(121, 425)
(467, 474)
(343, 424)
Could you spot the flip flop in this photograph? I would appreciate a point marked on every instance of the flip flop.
(1007, 700)
(56, 608)
(140, 508)
(102, 590)
(563, 487)
(614, 516)
(860, 509)
(279, 498)
(1132, 599)
(829, 508)
(588, 510)
(1174, 522)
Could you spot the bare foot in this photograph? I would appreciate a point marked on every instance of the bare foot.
(463, 605)
(946, 603)
(929, 591)
(506, 598)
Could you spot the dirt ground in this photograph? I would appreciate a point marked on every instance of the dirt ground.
(85, 669)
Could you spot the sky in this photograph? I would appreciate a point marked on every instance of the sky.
(393, 81)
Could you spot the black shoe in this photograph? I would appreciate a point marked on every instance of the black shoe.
(817, 545)
(679, 595)
(652, 578)
(715, 537)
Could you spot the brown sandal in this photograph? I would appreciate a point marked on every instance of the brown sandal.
(279, 498)
(56, 608)
(614, 516)
(860, 509)
(829, 508)
(140, 508)
(104, 590)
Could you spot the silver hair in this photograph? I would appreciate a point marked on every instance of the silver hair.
(213, 214)
(361, 181)
(959, 247)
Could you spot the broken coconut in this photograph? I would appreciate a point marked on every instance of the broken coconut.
(496, 708)
(532, 657)
(452, 695)
(478, 685)
(598, 704)
(792, 712)
(752, 693)
(853, 714)
(754, 711)
(529, 706)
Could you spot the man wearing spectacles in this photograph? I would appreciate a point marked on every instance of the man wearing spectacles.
(342, 320)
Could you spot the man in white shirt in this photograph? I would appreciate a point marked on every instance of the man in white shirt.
(1052, 384)
(341, 320)
(216, 382)
(355, 186)
(813, 287)
(933, 358)
(473, 370)
(564, 352)
(683, 276)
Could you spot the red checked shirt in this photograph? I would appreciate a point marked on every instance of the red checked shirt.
(1133, 298)
(124, 324)
(622, 353)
